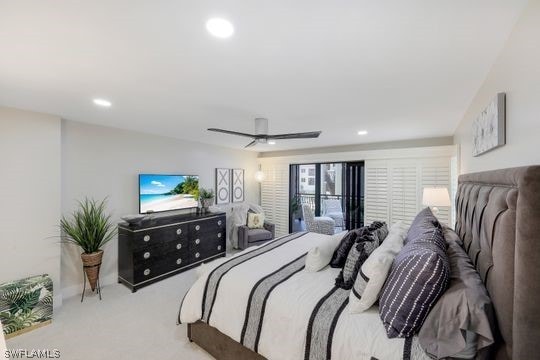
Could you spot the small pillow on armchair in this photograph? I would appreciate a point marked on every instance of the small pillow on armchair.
(255, 221)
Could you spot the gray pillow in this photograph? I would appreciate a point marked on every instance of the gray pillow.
(463, 319)
(423, 221)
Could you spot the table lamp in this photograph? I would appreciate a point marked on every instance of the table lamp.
(436, 196)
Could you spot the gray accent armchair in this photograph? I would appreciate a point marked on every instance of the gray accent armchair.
(318, 224)
(248, 237)
(332, 209)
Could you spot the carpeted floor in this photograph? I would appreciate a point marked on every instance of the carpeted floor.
(122, 326)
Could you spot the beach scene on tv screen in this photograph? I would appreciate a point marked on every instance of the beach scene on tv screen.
(167, 192)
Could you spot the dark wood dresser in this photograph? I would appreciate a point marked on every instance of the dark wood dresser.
(165, 246)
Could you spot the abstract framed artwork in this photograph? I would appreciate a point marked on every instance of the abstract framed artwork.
(489, 128)
(237, 189)
(223, 186)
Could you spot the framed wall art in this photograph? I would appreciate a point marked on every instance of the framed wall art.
(489, 128)
(237, 189)
(223, 186)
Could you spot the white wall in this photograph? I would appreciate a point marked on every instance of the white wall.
(30, 196)
(104, 162)
(517, 73)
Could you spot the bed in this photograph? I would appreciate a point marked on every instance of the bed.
(261, 304)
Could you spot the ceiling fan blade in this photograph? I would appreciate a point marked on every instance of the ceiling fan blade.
(232, 132)
(250, 144)
(304, 135)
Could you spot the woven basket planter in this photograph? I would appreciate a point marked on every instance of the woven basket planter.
(92, 264)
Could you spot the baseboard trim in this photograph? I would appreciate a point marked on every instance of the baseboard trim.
(76, 290)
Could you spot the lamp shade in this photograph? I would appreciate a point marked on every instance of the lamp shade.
(260, 176)
(436, 197)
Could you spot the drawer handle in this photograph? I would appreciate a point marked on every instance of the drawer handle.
(146, 272)
(197, 241)
(219, 235)
(198, 227)
(178, 246)
(146, 255)
(219, 222)
(146, 238)
(219, 247)
(197, 255)
(178, 231)
(178, 262)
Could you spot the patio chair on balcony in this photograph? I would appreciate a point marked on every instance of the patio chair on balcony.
(317, 224)
(332, 209)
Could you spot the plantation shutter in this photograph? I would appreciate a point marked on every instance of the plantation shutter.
(393, 188)
(438, 175)
(376, 203)
(404, 193)
(275, 196)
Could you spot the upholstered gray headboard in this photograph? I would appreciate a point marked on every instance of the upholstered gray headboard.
(498, 218)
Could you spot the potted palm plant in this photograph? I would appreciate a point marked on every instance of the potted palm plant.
(89, 228)
(206, 197)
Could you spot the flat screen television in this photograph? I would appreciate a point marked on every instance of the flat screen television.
(159, 193)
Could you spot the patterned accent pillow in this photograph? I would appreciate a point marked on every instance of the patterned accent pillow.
(423, 221)
(255, 221)
(366, 243)
(419, 276)
(342, 251)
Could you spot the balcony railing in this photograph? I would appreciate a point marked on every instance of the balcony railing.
(310, 199)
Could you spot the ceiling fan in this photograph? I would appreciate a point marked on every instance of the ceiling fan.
(261, 133)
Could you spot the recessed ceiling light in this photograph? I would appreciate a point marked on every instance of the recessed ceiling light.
(102, 102)
(362, 132)
(271, 142)
(220, 28)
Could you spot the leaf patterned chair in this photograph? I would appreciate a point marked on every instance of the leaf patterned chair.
(317, 224)
(26, 304)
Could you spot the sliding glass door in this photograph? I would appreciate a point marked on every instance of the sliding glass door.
(327, 189)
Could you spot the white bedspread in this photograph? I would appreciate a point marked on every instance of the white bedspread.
(287, 307)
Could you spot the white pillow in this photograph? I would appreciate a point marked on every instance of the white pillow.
(318, 257)
(255, 221)
(374, 271)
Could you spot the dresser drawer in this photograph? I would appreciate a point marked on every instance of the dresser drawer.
(154, 237)
(158, 250)
(207, 240)
(207, 247)
(206, 226)
(150, 269)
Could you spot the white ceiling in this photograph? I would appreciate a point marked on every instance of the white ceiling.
(399, 69)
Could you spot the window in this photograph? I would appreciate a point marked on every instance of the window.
(306, 180)
(325, 187)
(331, 179)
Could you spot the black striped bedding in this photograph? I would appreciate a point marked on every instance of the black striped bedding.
(264, 299)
